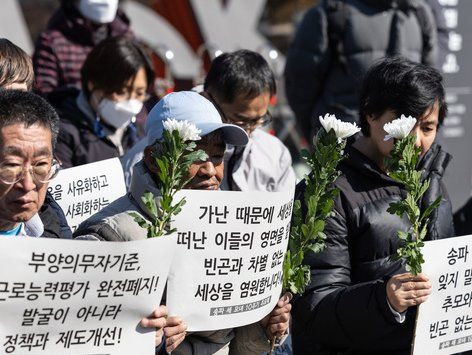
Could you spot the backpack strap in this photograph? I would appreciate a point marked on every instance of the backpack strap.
(336, 13)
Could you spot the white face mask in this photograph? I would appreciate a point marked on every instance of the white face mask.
(99, 11)
(118, 114)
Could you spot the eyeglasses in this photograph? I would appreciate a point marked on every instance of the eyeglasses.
(261, 121)
(41, 172)
(254, 123)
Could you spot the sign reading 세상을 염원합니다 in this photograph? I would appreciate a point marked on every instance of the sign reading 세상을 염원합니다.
(84, 190)
(80, 297)
(227, 269)
(444, 324)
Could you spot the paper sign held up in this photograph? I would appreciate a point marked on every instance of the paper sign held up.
(227, 270)
(84, 190)
(80, 297)
(444, 324)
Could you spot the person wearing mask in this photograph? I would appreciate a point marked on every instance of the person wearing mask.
(99, 123)
(28, 133)
(240, 85)
(73, 30)
(16, 73)
(361, 300)
(207, 175)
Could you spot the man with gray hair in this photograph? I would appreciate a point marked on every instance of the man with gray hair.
(115, 223)
(28, 132)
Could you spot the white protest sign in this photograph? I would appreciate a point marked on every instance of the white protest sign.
(227, 269)
(444, 324)
(84, 190)
(80, 297)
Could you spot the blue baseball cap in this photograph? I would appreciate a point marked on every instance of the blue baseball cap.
(194, 108)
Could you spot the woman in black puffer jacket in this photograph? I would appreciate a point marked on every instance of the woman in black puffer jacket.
(360, 300)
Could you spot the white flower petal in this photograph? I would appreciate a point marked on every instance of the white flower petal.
(187, 131)
(342, 129)
(399, 128)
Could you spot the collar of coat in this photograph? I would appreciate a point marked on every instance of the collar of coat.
(435, 160)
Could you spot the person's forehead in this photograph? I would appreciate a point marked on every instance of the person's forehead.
(431, 115)
(211, 144)
(16, 135)
(243, 101)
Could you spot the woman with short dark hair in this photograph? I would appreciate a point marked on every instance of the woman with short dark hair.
(360, 300)
(99, 123)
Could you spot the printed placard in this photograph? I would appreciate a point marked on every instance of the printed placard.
(444, 324)
(80, 297)
(84, 190)
(227, 270)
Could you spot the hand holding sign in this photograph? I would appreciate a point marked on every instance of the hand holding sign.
(407, 290)
(276, 323)
(158, 320)
(175, 332)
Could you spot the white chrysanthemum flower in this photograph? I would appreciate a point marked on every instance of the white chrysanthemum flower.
(399, 128)
(187, 131)
(342, 129)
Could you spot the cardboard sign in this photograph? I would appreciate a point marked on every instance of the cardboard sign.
(444, 324)
(227, 270)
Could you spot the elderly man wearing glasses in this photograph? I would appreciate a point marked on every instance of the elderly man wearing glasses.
(240, 85)
(28, 132)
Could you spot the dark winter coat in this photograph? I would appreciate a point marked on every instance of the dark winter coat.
(345, 309)
(62, 48)
(79, 143)
(335, 44)
(54, 220)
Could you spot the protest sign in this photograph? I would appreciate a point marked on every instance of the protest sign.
(80, 297)
(227, 269)
(84, 190)
(444, 324)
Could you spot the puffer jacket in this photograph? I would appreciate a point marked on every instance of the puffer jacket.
(114, 223)
(338, 40)
(54, 220)
(345, 308)
(61, 49)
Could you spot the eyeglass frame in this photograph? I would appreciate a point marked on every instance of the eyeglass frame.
(261, 121)
(54, 163)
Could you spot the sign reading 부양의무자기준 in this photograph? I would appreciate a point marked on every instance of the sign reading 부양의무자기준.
(444, 324)
(227, 269)
(84, 190)
(80, 297)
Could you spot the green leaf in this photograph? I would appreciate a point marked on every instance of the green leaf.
(431, 208)
(150, 203)
(402, 235)
(139, 220)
